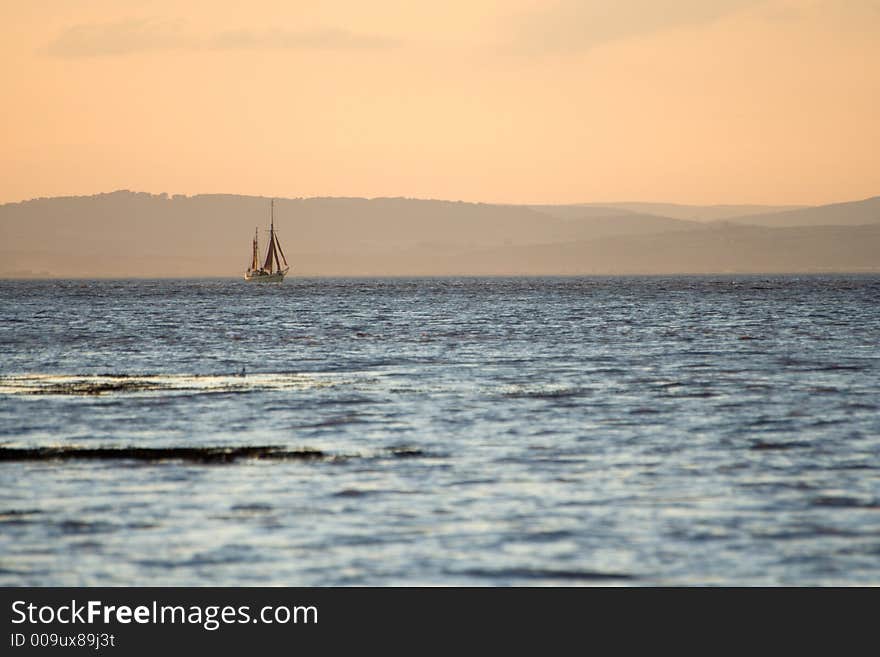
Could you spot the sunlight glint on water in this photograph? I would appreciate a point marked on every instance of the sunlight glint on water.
(683, 430)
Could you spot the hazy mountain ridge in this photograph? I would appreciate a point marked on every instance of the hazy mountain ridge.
(126, 233)
(853, 213)
(721, 249)
(692, 212)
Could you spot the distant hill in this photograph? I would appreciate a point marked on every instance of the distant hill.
(693, 212)
(853, 213)
(720, 249)
(129, 234)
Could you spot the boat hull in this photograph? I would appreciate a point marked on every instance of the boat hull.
(264, 278)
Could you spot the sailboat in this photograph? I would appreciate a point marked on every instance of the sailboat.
(271, 271)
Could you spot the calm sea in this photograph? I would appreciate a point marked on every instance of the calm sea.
(553, 431)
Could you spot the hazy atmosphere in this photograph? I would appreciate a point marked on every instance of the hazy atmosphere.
(394, 293)
(124, 234)
(514, 101)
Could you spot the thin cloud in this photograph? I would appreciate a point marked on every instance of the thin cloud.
(138, 36)
(119, 38)
(579, 25)
(324, 39)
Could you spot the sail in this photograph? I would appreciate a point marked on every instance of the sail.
(278, 244)
(275, 252)
(272, 269)
(270, 251)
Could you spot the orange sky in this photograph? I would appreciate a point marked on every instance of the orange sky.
(520, 101)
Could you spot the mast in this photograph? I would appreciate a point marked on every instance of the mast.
(272, 231)
(255, 256)
(276, 244)
(270, 251)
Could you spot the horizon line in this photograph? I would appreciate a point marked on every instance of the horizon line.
(172, 196)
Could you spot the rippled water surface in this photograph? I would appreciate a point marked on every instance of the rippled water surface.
(689, 430)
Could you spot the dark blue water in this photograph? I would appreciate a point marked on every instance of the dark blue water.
(678, 430)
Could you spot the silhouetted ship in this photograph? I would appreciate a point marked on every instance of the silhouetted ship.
(271, 271)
